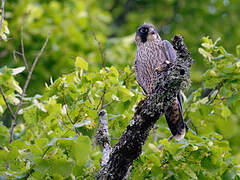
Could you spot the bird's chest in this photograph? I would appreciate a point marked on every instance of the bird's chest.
(150, 56)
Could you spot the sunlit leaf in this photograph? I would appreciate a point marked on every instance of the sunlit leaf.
(81, 63)
(18, 70)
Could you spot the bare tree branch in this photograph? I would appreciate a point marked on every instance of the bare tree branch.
(195, 128)
(169, 82)
(6, 102)
(30, 73)
(217, 88)
(69, 117)
(25, 88)
(22, 45)
(14, 55)
(2, 15)
(100, 49)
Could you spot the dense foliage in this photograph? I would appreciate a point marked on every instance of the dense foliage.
(54, 136)
(73, 22)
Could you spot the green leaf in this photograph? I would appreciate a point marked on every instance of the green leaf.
(223, 51)
(113, 71)
(30, 116)
(81, 63)
(124, 93)
(82, 123)
(4, 135)
(4, 30)
(81, 149)
(190, 172)
(225, 111)
(42, 165)
(205, 54)
(238, 50)
(62, 167)
(18, 70)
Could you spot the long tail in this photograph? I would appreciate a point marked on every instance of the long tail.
(174, 117)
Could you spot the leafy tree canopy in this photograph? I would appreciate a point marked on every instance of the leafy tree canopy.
(54, 135)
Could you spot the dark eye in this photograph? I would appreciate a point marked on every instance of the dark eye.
(143, 30)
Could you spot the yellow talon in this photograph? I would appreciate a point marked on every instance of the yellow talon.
(159, 69)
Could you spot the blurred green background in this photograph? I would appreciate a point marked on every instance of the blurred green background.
(77, 28)
(72, 24)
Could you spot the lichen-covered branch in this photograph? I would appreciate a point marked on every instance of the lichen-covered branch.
(102, 138)
(173, 78)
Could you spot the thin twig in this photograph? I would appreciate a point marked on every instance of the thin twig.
(73, 123)
(105, 105)
(100, 49)
(16, 52)
(218, 87)
(195, 128)
(14, 55)
(30, 73)
(155, 127)
(2, 15)
(29, 174)
(160, 146)
(128, 76)
(25, 88)
(101, 102)
(69, 117)
(10, 38)
(69, 128)
(6, 102)
(22, 45)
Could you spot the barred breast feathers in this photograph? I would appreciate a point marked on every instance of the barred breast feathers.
(149, 56)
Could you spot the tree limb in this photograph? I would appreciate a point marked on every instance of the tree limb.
(22, 45)
(103, 139)
(25, 88)
(170, 81)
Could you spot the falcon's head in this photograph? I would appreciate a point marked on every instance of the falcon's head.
(147, 32)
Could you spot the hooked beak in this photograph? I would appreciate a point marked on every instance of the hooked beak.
(151, 31)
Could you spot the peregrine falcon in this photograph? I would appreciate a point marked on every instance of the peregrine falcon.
(151, 53)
